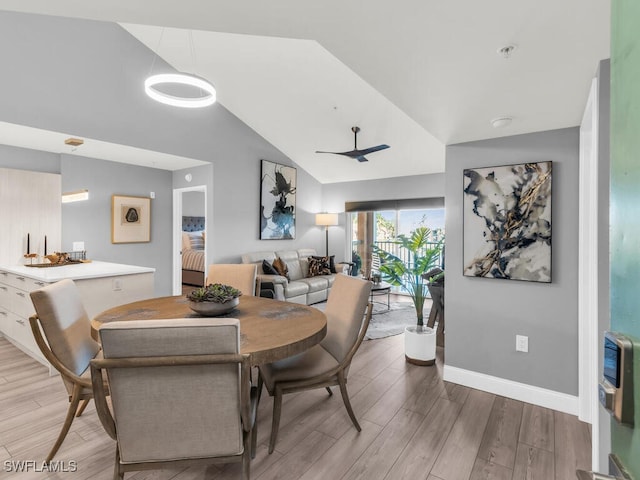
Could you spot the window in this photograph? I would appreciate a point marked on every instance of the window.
(381, 227)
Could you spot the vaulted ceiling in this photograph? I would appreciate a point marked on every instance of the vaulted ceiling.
(415, 74)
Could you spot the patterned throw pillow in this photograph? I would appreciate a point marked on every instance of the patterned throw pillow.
(318, 266)
(268, 269)
(281, 267)
(332, 263)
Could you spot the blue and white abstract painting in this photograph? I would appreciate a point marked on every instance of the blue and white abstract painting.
(277, 201)
(507, 222)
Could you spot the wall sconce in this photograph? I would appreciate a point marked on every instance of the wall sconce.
(327, 220)
(75, 196)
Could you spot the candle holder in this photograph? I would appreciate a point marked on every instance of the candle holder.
(31, 256)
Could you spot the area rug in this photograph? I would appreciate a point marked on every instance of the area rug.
(387, 323)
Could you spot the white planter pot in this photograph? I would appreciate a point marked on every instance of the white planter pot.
(420, 345)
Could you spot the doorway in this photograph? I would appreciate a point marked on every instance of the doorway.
(190, 225)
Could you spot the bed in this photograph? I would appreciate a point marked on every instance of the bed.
(193, 238)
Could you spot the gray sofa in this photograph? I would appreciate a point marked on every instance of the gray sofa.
(299, 288)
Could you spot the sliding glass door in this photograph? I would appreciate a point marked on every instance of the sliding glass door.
(381, 227)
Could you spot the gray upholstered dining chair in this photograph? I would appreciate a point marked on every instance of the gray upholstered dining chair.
(180, 393)
(62, 331)
(326, 364)
(238, 275)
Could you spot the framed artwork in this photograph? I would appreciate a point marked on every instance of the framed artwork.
(130, 219)
(277, 201)
(507, 222)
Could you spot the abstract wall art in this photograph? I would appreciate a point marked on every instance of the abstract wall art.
(130, 219)
(507, 222)
(277, 201)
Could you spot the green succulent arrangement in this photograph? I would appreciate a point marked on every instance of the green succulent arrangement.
(215, 292)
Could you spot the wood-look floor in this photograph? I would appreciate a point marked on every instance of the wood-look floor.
(414, 426)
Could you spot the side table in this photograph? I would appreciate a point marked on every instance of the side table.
(378, 289)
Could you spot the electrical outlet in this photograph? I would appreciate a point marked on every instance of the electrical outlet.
(522, 343)
(78, 246)
(117, 284)
(152, 194)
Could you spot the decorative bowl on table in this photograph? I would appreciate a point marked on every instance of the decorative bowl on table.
(214, 299)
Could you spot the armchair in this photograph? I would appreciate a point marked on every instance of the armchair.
(180, 391)
(62, 331)
(326, 364)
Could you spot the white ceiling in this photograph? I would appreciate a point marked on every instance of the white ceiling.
(415, 74)
(48, 141)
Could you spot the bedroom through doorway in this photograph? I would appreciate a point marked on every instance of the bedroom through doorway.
(189, 245)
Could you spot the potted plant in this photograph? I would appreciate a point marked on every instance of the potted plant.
(214, 299)
(420, 341)
(357, 263)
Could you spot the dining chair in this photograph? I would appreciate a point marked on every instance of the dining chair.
(239, 275)
(180, 393)
(62, 331)
(327, 363)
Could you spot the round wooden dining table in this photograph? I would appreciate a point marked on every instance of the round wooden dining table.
(270, 330)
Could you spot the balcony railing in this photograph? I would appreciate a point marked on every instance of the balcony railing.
(397, 250)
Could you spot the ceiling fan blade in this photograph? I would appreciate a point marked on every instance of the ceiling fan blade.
(350, 153)
(377, 148)
(359, 155)
(334, 153)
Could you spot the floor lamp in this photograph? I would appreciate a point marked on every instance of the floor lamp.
(327, 220)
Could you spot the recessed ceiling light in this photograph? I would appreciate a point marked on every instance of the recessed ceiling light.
(506, 51)
(501, 122)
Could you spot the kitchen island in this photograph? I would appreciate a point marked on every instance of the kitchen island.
(102, 286)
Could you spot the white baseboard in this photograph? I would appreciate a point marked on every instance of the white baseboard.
(510, 389)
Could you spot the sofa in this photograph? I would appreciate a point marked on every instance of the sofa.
(298, 288)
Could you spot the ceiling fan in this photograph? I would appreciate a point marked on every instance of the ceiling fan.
(358, 154)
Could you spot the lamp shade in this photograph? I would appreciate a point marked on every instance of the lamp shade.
(326, 219)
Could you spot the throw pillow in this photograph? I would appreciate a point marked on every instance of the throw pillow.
(268, 269)
(186, 241)
(331, 261)
(318, 266)
(332, 264)
(281, 267)
(194, 240)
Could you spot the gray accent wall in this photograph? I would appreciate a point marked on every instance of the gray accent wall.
(483, 315)
(25, 159)
(90, 221)
(193, 204)
(335, 195)
(85, 78)
(99, 94)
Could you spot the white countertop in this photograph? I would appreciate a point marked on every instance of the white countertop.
(76, 272)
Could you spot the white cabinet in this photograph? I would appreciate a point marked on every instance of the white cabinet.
(31, 203)
(15, 310)
(102, 286)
